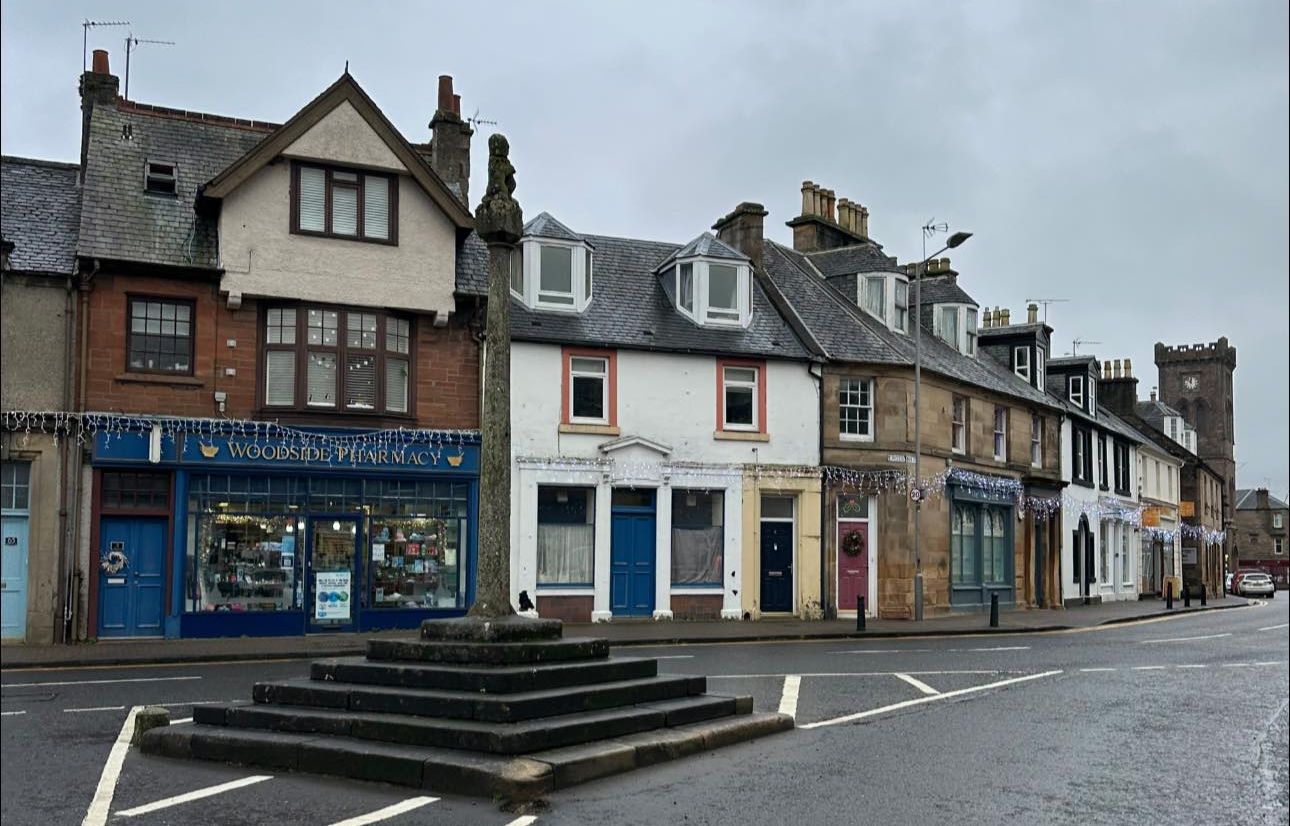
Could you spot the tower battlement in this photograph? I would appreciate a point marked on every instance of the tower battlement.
(1179, 353)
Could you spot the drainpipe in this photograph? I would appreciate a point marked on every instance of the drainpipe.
(78, 455)
(66, 556)
(828, 609)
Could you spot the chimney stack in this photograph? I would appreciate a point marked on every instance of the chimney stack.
(450, 142)
(99, 87)
(1032, 313)
(1119, 392)
(1261, 499)
(743, 229)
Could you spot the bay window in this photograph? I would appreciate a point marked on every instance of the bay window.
(956, 325)
(885, 296)
(717, 293)
(344, 203)
(874, 296)
(723, 293)
(352, 361)
(553, 274)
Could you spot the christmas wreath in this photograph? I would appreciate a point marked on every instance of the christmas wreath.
(853, 544)
(113, 562)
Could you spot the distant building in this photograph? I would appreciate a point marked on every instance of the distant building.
(1260, 534)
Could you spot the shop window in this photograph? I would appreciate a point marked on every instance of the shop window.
(698, 537)
(161, 336)
(244, 562)
(343, 203)
(962, 544)
(980, 544)
(125, 490)
(415, 562)
(855, 409)
(351, 361)
(566, 535)
(15, 485)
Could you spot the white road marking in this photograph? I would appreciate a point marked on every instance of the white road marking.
(1091, 670)
(196, 794)
(181, 721)
(886, 651)
(848, 674)
(788, 697)
(1148, 668)
(523, 820)
(1192, 666)
(101, 682)
(1275, 627)
(1234, 665)
(1186, 639)
(1272, 662)
(676, 657)
(1004, 648)
(386, 813)
(916, 683)
(11, 713)
(97, 813)
(922, 700)
(92, 708)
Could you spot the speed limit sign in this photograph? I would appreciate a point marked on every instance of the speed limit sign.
(915, 494)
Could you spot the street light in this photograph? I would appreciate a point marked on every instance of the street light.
(929, 229)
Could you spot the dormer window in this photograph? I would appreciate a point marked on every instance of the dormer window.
(1076, 391)
(717, 293)
(956, 325)
(159, 178)
(723, 294)
(554, 270)
(885, 296)
(1041, 364)
(1021, 362)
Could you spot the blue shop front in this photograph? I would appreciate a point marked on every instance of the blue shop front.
(201, 535)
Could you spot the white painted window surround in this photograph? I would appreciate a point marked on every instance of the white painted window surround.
(1021, 361)
(956, 325)
(713, 291)
(885, 296)
(554, 275)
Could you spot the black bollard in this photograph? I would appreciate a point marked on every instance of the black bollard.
(1186, 595)
(1203, 599)
(994, 610)
(1169, 595)
(859, 613)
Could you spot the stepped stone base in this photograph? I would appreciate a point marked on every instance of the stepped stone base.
(504, 709)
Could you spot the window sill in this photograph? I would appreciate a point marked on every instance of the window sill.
(591, 429)
(159, 378)
(740, 436)
(555, 590)
(314, 415)
(854, 437)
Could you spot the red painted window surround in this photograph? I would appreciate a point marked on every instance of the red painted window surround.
(610, 356)
(760, 367)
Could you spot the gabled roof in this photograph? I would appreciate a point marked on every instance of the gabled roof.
(1247, 500)
(546, 226)
(39, 212)
(707, 246)
(1155, 411)
(345, 89)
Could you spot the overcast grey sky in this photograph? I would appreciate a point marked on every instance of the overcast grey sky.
(1130, 157)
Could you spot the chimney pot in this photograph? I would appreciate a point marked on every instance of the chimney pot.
(830, 198)
(1032, 313)
(1128, 369)
(1106, 369)
(864, 221)
(1153, 394)
(817, 200)
(445, 93)
(456, 105)
(1007, 314)
(101, 62)
(808, 198)
(985, 317)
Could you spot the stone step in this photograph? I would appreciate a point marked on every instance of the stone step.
(488, 653)
(464, 705)
(452, 770)
(471, 735)
(491, 679)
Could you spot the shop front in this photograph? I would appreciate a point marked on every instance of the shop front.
(210, 536)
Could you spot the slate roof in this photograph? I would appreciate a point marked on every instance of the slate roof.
(39, 210)
(940, 289)
(867, 257)
(849, 334)
(1243, 494)
(629, 307)
(706, 245)
(546, 226)
(1156, 411)
(119, 220)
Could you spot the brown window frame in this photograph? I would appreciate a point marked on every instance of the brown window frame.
(341, 350)
(130, 300)
(362, 174)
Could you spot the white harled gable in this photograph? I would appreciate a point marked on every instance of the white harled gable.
(343, 136)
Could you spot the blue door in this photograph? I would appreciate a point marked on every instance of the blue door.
(631, 557)
(132, 552)
(13, 600)
(777, 566)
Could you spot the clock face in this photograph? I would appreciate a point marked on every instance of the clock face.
(1191, 382)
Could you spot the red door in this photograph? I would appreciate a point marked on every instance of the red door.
(853, 564)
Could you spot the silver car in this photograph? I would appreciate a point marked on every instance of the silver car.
(1257, 585)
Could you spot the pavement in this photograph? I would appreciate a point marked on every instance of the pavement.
(619, 632)
(1169, 720)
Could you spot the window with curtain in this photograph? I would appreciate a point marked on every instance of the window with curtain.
(353, 361)
(874, 296)
(698, 537)
(723, 293)
(686, 287)
(344, 203)
(566, 535)
(949, 331)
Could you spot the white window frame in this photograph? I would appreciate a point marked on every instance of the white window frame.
(1075, 390)
(1021, 362)
(897, 282)
(965, 336)
(958, 426)
(1092, 395)
(700, 312)
(1041, 366)
(862, 288)
(1036, 440)
(861, 389)
(891, 283)
(754, 385)
(603, 376)
(581, 266)
(1277, 521)
(1000, 433)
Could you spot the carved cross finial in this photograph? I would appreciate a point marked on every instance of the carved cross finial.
(499, 219)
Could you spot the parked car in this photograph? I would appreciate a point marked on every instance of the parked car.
(1256, 584)
(1227, 583)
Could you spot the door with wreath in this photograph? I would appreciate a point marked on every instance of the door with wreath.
(853, 564)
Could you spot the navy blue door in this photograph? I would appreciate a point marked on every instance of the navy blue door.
(132, 592)
(776, 566)
(631, 590)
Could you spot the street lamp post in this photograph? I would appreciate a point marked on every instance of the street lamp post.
(954, 240)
